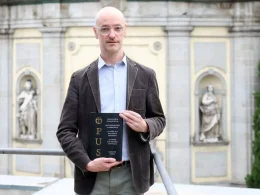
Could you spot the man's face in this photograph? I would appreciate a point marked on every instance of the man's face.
(210, 88)
(28, 86)
(110, 30)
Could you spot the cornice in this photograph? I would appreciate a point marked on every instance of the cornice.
(171, 24)
(178, 31)
(6, 31)
(52, 30)
(246, 28)
(30, 2)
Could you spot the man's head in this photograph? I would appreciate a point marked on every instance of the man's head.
(28, 85)
(210, 88)
(110, 29)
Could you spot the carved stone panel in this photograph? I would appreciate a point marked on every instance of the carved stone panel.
(210, 54)
(211, 164)
(28, 55)
(22, 162)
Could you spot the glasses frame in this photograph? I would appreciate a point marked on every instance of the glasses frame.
(110, 28)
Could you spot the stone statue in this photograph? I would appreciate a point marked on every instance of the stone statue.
(210, 123)
(27, 112)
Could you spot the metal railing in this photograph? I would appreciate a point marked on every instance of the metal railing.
(55, 152)
(164, 174)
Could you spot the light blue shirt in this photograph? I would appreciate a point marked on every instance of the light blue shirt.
(112, 85)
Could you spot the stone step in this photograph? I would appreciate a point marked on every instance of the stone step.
(47, 186)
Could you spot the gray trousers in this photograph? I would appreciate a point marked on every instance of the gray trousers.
(117, 181)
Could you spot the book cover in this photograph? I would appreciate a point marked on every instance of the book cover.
(106, 136)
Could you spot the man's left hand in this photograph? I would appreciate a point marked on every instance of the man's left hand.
(134, 121)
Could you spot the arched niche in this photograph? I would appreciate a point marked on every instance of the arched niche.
(28, 111)
(216, 80)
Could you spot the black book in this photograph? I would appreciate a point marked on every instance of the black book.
(106, 136)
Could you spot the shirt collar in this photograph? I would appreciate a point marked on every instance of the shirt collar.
(102, 63)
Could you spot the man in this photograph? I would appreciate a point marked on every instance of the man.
(113, 83)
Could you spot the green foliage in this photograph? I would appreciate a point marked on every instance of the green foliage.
(253, 179)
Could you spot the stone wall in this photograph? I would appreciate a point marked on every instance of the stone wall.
(176, 25)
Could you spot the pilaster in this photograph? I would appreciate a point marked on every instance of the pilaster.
(6, 43)
(178, 79)
(53, 54)
(244, 81)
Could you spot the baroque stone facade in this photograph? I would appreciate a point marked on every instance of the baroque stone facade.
(190, 45)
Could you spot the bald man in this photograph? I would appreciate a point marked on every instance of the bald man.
(112, 84)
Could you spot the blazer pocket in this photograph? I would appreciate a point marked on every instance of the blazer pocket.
(138, 99)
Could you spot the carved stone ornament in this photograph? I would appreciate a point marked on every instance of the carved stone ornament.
(211, 72)
(157, 46)
(71, 46)
(225, 5)
(119, 4)
(27, 72)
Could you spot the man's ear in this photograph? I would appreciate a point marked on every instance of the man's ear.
(95, 31)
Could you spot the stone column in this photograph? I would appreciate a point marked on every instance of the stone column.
(6, 43)
(178, 120)
(244, 82)
(53, 53)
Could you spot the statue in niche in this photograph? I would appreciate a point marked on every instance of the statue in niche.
(210, 123)
(27, 112)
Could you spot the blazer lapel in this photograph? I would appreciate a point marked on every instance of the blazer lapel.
(131, 76)
(92, 74)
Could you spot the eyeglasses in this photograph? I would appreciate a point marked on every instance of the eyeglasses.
(107, 30)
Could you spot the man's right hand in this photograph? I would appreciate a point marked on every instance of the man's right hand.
(102, 164)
